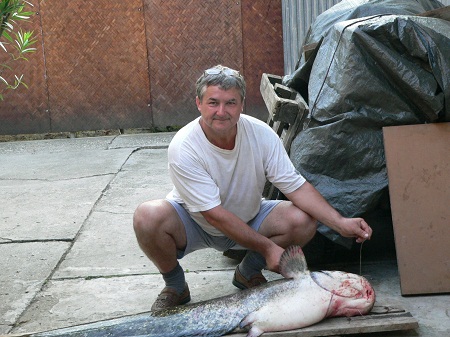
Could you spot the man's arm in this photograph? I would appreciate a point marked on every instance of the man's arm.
(237, 230)
(309, 200)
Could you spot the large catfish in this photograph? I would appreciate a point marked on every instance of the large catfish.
(301, 299)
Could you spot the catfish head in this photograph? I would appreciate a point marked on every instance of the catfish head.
(352, 294)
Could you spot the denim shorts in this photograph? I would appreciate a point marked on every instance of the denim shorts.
(197, 238)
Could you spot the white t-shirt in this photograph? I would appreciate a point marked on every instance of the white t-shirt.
(206, 176)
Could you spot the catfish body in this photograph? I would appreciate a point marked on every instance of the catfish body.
(299, 300)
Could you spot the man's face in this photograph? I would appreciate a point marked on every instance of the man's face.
(220, 109)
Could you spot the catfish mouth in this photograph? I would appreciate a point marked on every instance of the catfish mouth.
(351, 294)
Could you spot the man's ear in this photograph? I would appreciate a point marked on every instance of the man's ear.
(198, 102)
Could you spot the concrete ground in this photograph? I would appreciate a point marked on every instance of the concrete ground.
(68, 254)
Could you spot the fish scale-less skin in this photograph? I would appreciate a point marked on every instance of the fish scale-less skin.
(210, 318)
(277, 314)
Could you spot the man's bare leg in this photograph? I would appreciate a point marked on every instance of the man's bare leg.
(160, 233)
(288, 225)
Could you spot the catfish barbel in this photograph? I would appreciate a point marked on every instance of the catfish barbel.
(301, 299)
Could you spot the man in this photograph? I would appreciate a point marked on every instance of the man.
(219, 164)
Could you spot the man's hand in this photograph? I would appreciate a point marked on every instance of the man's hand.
(308, 199)
(237, 230)
(273, 257)
(355, 228)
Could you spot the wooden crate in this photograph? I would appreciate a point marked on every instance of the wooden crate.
(287, 110)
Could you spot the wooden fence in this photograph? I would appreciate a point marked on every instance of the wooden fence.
(113, 64)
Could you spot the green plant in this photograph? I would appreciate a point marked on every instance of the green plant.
(12, 11)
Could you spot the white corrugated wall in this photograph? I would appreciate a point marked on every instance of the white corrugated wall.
(297, 17)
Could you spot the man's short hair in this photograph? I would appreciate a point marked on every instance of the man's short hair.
(223, 77)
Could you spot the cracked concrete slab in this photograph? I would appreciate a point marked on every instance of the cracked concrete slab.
(97, 183)
(146, 140)
(143, 177)
(56, 145)
(47, 210)
(24, 269)
(63, 165)
(107, 247)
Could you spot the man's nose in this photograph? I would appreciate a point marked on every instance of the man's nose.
(221, 109)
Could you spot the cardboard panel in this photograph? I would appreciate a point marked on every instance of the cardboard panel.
(418, 166)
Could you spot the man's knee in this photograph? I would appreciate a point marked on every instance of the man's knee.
(147, 216)
(310, 226)
(303, 227)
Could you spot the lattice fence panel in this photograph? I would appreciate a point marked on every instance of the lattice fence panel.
(263, 49)
(96, 62)
(186, 37)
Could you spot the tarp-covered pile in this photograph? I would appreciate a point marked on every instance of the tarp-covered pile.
(376, 64)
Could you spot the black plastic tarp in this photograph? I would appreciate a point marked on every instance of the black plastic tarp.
(377, 64)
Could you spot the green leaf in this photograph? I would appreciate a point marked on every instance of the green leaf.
(8, 37)
(11, 12)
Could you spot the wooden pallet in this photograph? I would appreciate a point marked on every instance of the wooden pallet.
(287, 110)
(380, 319)
(286, 107)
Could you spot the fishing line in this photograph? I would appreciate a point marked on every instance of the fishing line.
(360, 270)
(360, 259)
